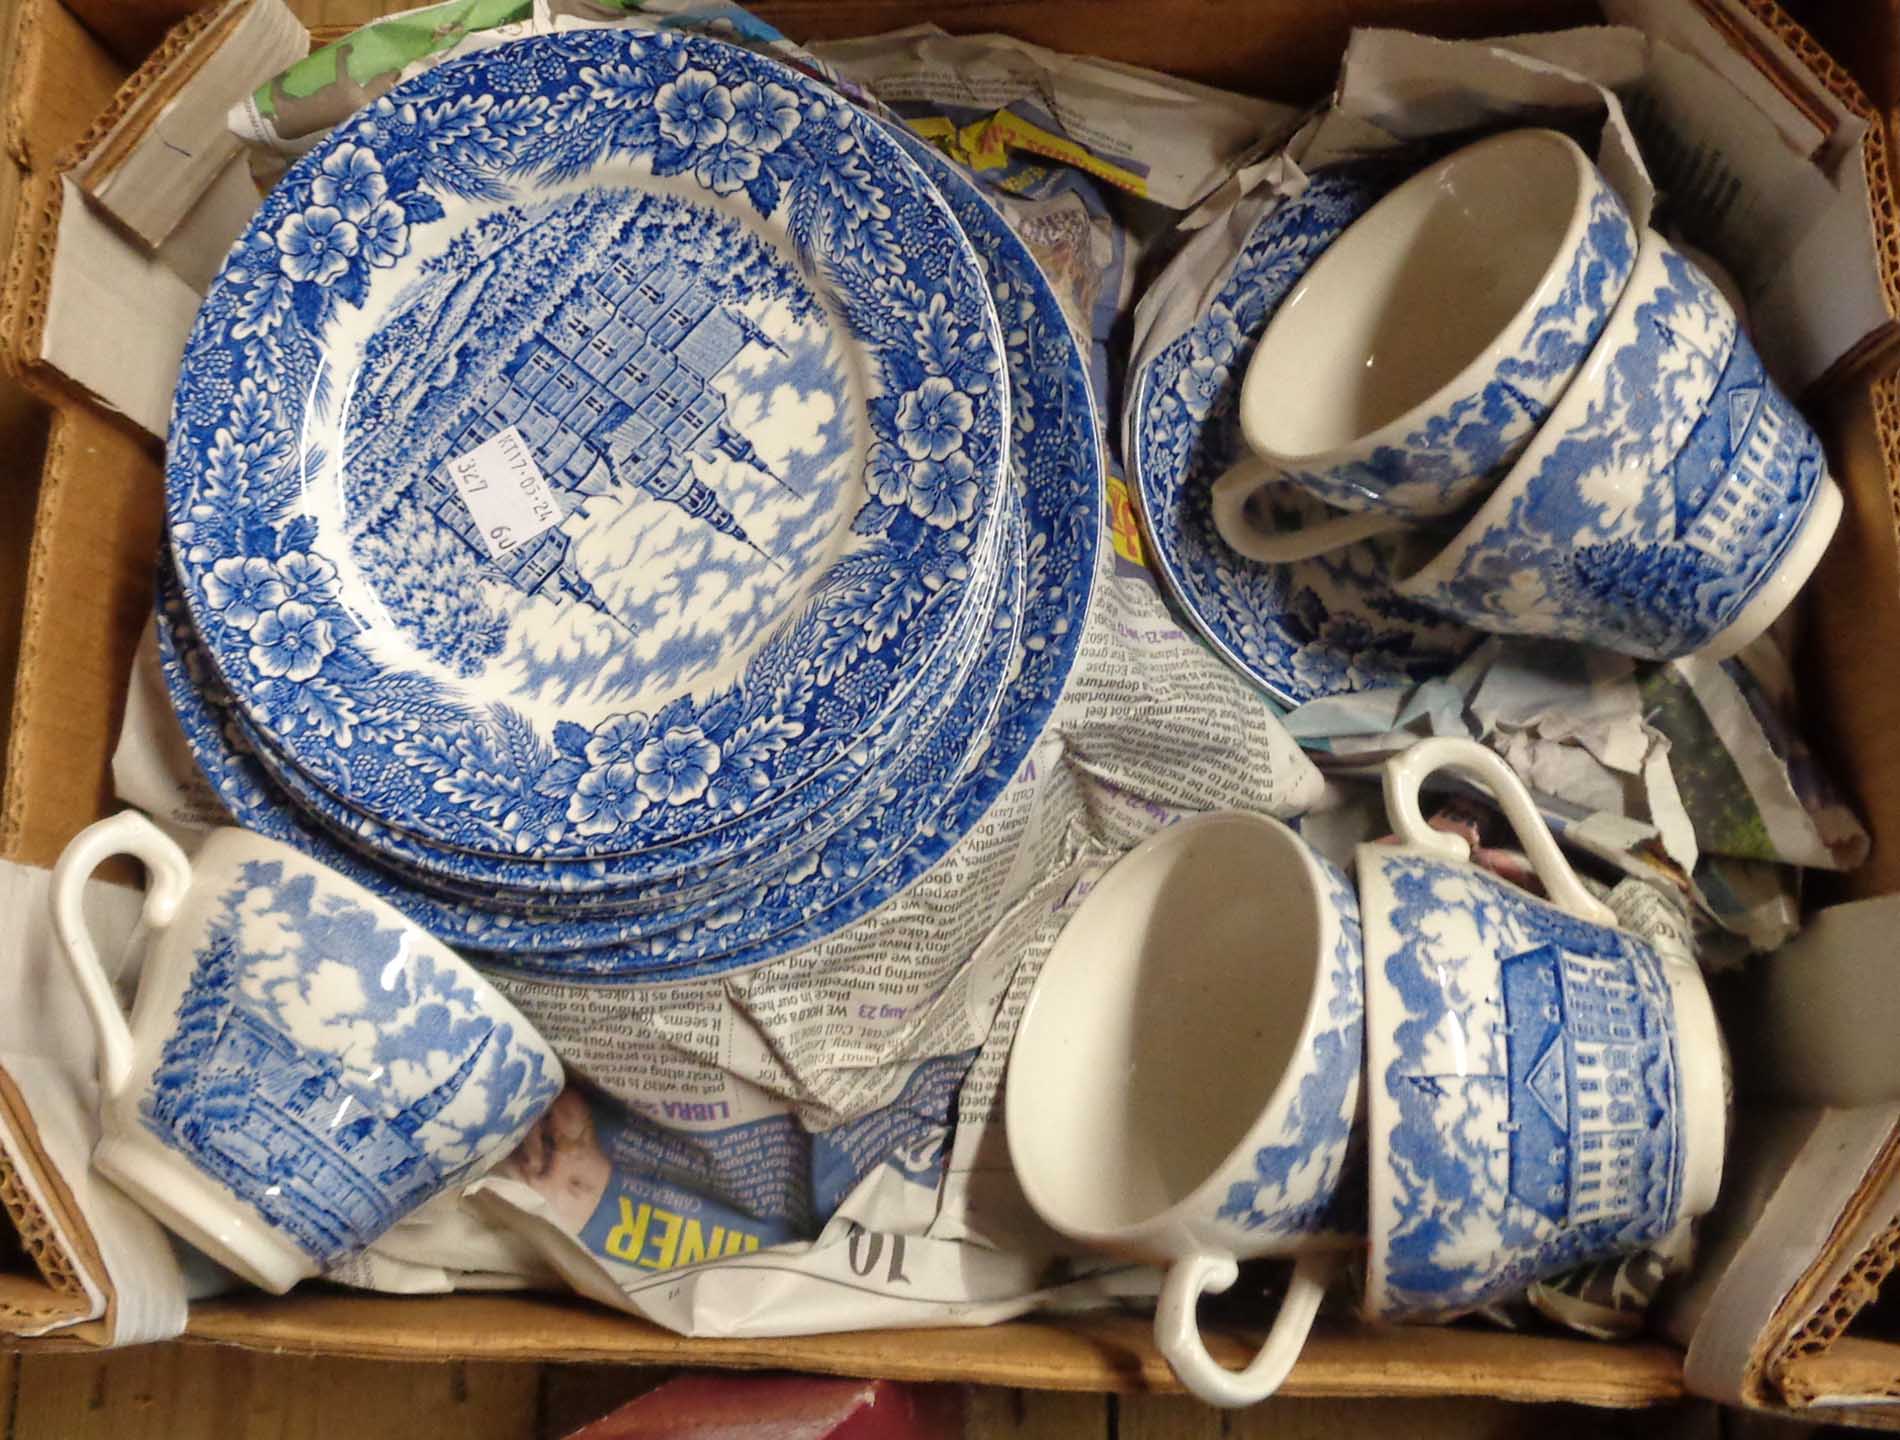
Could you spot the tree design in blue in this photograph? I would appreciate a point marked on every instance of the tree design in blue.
(267, 1085)
(622, 332)
(1318, 1127)
(1543, 1134)
(1664, 504)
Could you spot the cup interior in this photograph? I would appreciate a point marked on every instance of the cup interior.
(1412, 294)
(1165, 1019)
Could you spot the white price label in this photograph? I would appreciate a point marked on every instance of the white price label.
(505, 491)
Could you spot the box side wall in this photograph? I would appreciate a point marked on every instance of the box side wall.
(88, 599)
(1085, 1352)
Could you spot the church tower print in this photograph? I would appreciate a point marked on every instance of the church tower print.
(281, 1124)
(615, 393)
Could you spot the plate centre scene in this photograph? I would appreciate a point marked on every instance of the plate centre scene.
(594, 451)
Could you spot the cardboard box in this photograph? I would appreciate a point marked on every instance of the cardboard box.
(97, 526)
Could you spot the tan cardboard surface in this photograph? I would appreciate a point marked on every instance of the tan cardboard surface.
(1849, 1367)
(56, 83)
(130, 31)
(1089, 1352)
(89, 584)
(23, 422)
(56, 1266)
(60, 80)
(1852, 603)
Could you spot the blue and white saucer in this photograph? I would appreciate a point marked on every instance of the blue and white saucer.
(1325, 626)
(752, 905)
(1056, 455)
(586, 445)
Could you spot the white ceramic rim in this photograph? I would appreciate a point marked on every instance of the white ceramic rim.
(1702, 1068)
(1381, 1110)
(1786, 580)
(1020, 1107)
(203, 1211)
(1469, 379)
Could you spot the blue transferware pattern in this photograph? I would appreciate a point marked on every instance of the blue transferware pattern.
(1473, 438)
(772, 898)
(1521, 1149)
(659, 258)
(1320, 1124)
(330, 1074)
(1727, 471)
(1065, 499)
(686, 871)
(1057, 461)
(1302, 631)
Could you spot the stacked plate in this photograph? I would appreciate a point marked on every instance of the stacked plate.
(627, 505)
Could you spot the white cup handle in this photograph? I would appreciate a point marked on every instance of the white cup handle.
(1178, 1335)
(1235, 488)
(169, 872)
(1406, 773)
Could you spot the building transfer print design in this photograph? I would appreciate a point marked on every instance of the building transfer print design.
(616, 393)
(758, 371)
(1531, 1090)
(330, 1073)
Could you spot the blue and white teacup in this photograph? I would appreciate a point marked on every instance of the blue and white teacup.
(1543, 1088)
(1674, 503)
(1413, 362)
(303, 1067)
(1185, 1078)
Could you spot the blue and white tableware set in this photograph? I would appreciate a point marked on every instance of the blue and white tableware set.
(608, 519)
(1234, 1052)
(1476, 400)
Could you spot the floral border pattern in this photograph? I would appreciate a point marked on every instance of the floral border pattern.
(535, 113)
(689, 871)
(1056, 461)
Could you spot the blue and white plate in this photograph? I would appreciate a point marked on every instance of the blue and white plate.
(761, 903)
(586, 444)
(655, 880)
(1302, 631)
(1056, 459)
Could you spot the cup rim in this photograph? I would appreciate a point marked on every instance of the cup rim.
(1019, 1112)
(1471, 375)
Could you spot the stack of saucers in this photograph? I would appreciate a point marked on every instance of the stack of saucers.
(608, 516)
